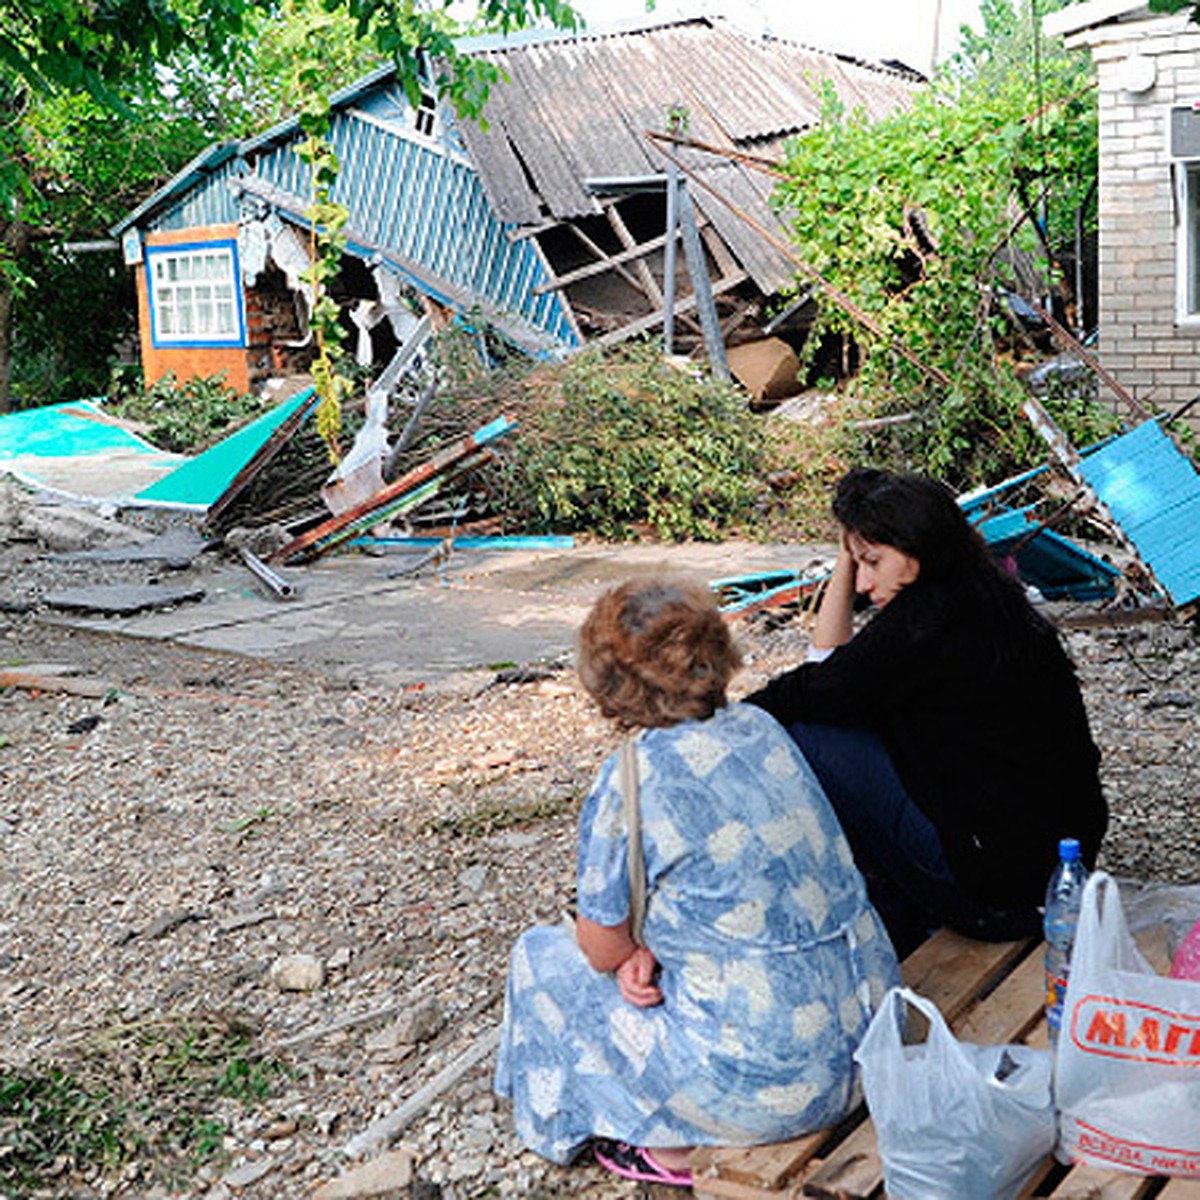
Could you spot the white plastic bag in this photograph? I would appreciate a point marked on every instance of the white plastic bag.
(953, 1120)
(1128, 1068)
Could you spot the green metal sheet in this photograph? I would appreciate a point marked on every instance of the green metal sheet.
(201, 481)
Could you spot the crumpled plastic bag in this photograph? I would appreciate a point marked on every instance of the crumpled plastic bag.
(952, 1119)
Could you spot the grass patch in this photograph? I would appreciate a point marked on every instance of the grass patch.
(149, 1095)
(495, 815)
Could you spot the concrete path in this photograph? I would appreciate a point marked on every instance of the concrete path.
(482, 609)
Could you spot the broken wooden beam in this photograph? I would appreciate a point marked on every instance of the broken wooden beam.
(353, 519)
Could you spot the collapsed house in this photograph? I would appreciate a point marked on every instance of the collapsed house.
(548, 225)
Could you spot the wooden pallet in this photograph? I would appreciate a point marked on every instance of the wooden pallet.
(989, 993)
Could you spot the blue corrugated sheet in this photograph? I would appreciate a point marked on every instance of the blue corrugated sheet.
(425, 206)
(1153, 494)
(211, 201)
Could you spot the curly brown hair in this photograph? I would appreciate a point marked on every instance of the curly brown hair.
(653, 653)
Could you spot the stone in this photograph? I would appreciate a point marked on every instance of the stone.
(297, 973)
(420, 1023)
(387, 1175)
(248, 1173)
(121, 600)
(473, 878)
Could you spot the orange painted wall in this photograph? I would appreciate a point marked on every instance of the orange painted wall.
(187, 361)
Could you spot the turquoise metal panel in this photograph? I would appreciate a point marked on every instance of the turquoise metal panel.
(1153, 493)
(1058, 568)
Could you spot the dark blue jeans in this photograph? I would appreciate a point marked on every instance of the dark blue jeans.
(895, 845)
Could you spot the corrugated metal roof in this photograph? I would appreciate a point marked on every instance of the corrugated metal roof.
(585, 104)
(577, 109)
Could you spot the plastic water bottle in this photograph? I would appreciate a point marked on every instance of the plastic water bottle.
(1063, 895)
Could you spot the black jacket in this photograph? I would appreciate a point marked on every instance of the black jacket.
(986, 728)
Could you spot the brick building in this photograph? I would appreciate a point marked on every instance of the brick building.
(1148, 71)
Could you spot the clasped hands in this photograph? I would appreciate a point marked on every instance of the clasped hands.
(635, 978)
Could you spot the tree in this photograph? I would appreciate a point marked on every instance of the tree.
(909, 216)
(182, 72)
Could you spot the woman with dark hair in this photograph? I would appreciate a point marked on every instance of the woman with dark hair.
(949, 732)
(735, 1019)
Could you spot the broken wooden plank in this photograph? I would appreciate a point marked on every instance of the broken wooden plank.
(631, 254)
(399, 488)
(32, 681)
(687, 304)
(377, 1135)
(401, 504)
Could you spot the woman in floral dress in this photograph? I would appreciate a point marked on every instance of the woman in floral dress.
(736, 1021)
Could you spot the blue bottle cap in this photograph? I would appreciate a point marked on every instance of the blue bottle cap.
(1068, 850)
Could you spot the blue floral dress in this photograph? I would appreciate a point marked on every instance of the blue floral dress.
(772, 958)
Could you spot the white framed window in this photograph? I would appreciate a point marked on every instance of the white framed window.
(195, 296)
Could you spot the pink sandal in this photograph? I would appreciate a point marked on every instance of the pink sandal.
(636, 1162)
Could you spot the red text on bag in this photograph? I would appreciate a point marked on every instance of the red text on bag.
(1116, 1028)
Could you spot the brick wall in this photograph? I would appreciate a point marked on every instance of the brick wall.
(1152, 356)
(187, 361)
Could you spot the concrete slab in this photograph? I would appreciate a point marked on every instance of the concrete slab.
(484, 608)
(121, 599)
(175, 547)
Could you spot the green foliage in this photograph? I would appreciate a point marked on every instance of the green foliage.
(1173, 6)
(327, 241)
(139, 1095)
(908, 215)
(628, 443)
(67, 326)
(62, 45)
(48, 1118)
(191, 416)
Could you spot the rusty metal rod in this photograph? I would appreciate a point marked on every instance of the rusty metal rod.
(1091, 360)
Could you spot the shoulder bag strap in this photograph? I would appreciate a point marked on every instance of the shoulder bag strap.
(633, 826)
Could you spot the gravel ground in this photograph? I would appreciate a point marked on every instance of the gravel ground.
(164, 845)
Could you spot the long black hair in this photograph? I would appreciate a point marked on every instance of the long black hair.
(920, 516)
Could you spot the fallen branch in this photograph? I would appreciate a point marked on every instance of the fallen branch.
(380, 1133)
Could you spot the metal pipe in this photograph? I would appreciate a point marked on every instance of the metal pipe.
(280, 588)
